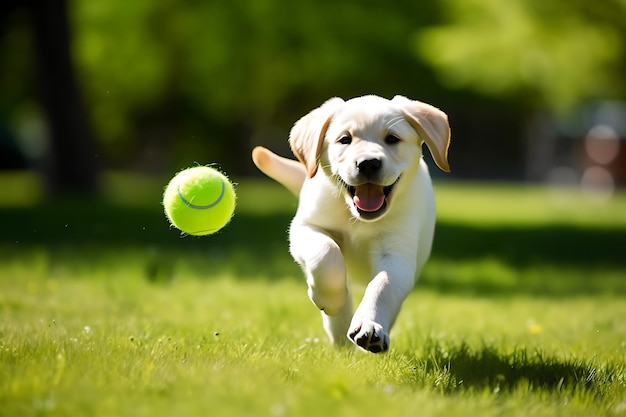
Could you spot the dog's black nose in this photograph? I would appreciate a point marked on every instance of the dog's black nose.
(369, 166)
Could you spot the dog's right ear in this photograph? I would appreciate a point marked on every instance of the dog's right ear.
(431, 124)
(307, 135)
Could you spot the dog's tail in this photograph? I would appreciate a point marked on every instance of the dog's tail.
(289, 172)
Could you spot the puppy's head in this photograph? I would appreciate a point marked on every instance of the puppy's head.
(367, 145)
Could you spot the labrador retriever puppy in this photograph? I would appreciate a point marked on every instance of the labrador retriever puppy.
(366, 209)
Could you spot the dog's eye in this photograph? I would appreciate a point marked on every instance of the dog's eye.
(392, 139)
(345, 139)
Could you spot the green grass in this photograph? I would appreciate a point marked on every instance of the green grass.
(105, 311)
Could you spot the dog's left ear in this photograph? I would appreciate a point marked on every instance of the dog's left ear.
(431, 124)
(307, 135)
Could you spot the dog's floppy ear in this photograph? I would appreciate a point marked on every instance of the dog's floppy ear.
(307, 135)
(431, 124)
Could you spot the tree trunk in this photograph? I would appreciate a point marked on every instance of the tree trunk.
(73, 165)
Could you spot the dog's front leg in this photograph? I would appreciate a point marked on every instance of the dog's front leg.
(323, 264)
(380, 305)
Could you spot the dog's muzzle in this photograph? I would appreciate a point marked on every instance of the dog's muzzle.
(369, 199)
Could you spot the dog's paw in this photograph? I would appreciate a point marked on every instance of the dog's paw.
(370, 336)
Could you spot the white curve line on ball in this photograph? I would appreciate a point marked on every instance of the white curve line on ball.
(193, 206)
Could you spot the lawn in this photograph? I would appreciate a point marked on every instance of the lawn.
(105, 311)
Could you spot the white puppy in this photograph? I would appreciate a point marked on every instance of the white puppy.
(366, 211)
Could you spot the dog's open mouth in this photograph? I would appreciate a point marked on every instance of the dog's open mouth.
(369, 199)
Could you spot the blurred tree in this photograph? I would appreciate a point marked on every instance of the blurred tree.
(176, 81)
(71, 164)
(548, 53)
(185, 79)
(73, 160)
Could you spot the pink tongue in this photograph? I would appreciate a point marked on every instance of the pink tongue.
(369, 197)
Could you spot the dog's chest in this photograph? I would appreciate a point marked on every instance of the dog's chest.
(359, 249)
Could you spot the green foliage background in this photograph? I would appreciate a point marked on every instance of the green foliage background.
(554, 53)
(166, 81)
(238, 67)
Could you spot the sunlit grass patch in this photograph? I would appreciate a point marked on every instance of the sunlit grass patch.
(526, 205)
(83, 345)
(106, 311)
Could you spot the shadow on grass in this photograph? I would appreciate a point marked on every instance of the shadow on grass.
(462, 368)
(248, 247)
(256, 245)
(521, 246)
(553, 260)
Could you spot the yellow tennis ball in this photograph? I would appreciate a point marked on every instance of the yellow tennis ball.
(199, 201)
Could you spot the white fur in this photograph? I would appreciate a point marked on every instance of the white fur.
(334, 242)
